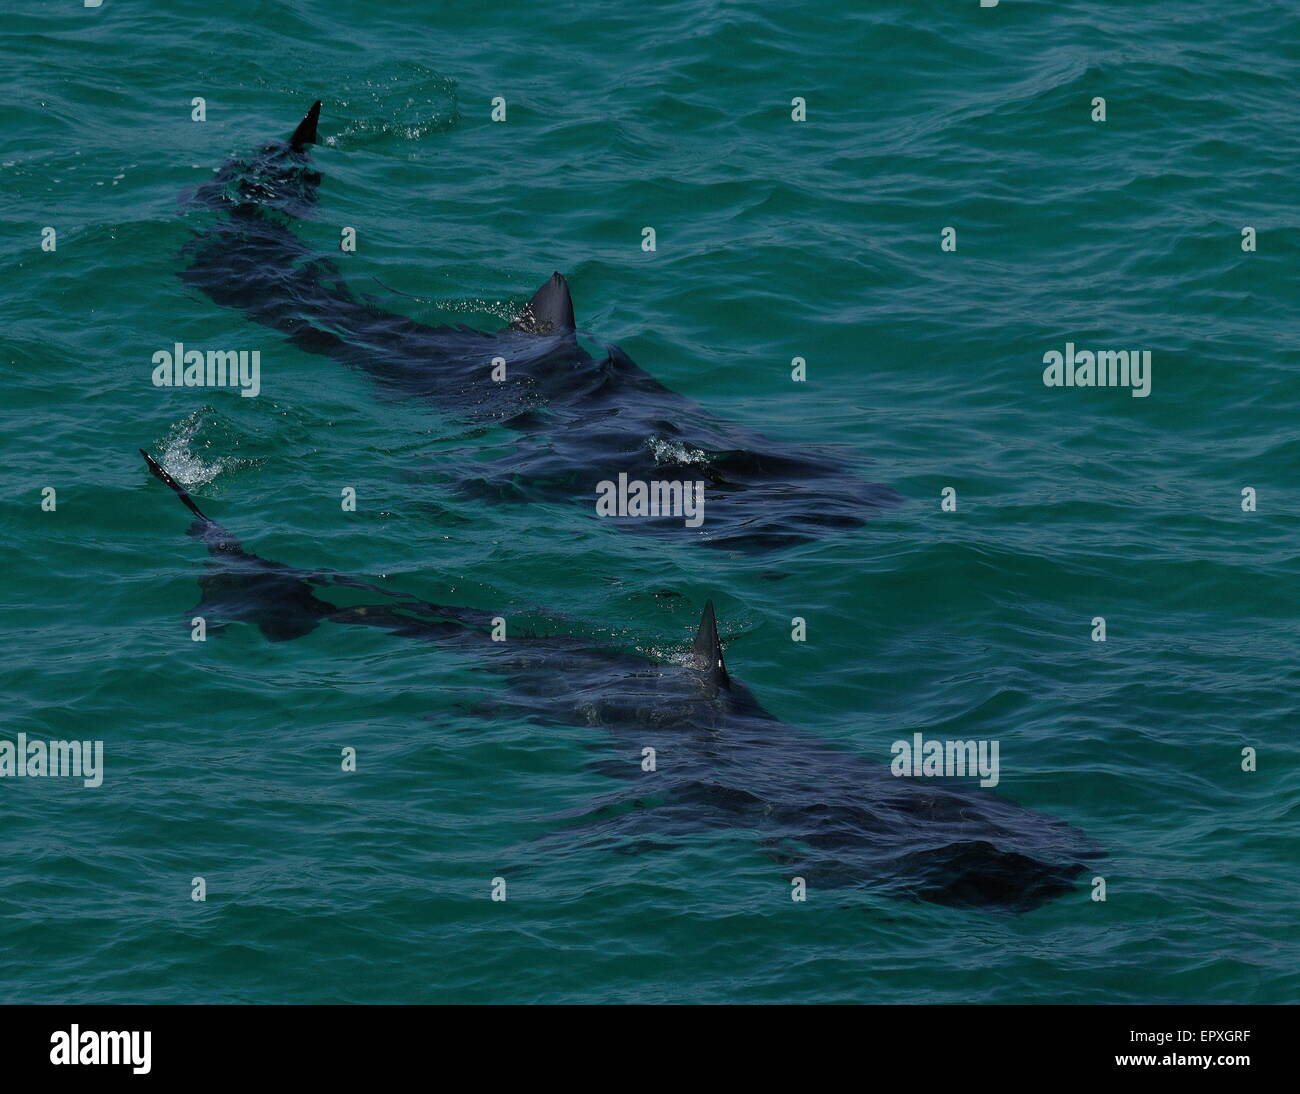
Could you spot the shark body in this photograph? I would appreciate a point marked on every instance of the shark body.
(580, 420)
(825, 814)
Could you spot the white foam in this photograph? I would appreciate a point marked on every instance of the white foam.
(180, 462)
(677, 453)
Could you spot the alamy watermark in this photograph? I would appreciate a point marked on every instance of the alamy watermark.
(637, 498)
(131, 1048)
(76, 759)
(181, 367)
(1102, 368)
(919, 757)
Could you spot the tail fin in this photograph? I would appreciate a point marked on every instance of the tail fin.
(181, 492)
(305, 134)
(708, 649)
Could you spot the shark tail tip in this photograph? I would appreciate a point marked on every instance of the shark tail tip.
(159, 472)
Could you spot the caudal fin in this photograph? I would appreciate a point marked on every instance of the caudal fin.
(181, 492)
(305, 134)
(708, 649)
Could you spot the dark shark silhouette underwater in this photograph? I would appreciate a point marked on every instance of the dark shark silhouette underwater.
(580, 421)
(825, 814)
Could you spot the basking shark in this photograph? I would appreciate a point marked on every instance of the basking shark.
(825, 814)
(581, 422)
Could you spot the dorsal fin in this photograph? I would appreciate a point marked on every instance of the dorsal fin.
(550, 311)
(181, 492)
(708, 649)
(305, 134)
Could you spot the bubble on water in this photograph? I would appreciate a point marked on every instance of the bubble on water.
(503, 310)
(681, 657)
(407, 103)
(498, 309)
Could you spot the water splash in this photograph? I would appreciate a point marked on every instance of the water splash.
(676, 453)
(178, 456)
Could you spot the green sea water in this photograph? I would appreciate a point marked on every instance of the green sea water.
(776, 239)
